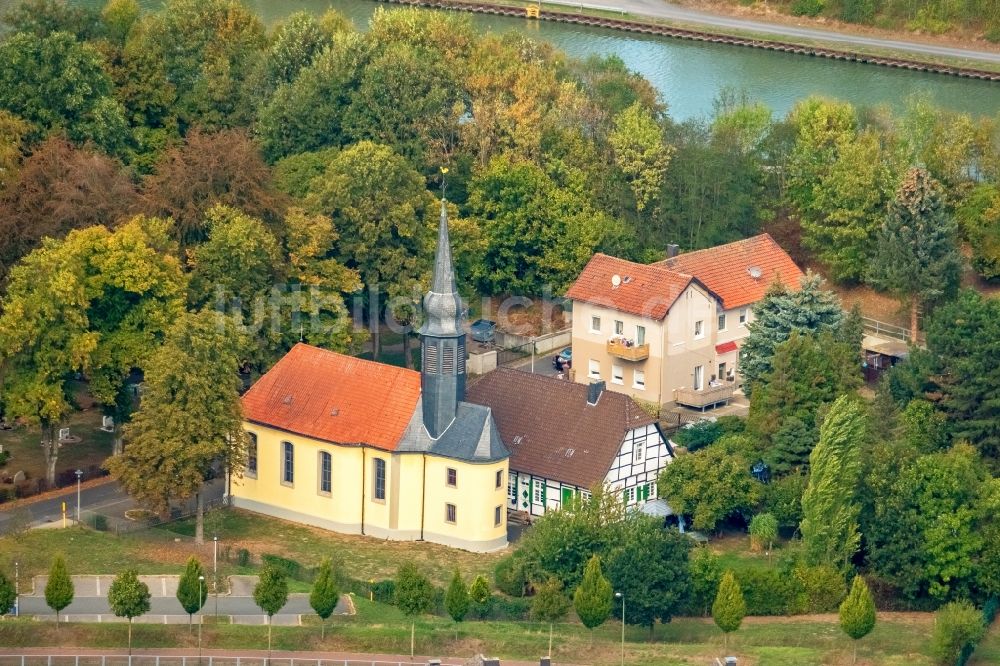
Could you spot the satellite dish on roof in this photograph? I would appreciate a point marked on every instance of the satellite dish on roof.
(616, 280)
(755, 272)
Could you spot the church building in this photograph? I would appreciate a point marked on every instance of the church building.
(361, 447)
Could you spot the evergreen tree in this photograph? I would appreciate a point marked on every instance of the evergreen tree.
(780, 312)
(414, 595)
(456, 601)
(857, 613)
(192, 592)
(59, 588)
(129, 598)
(324, 595)
(729, 607)
(270, 594)
(829, 506)
(916, 252)
(8, 595)
(592, 598)
(809, 371)
(549, 605)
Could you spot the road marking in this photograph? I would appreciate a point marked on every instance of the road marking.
(163, 582)
(98, 579)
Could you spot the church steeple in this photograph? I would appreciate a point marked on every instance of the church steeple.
(442, 377)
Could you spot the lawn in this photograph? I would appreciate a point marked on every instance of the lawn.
(165, 549)
(380, 628)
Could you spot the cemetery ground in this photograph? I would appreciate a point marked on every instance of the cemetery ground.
(899, 638)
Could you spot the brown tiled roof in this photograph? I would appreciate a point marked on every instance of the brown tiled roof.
(550, 429)
(334, 398)
(725, 269)
(645, 290)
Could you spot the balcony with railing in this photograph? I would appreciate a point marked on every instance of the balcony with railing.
(706, 397)
(627, 350)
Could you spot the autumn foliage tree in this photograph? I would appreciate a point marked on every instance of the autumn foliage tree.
(210, 168)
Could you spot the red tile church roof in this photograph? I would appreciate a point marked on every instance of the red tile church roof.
(334, 398)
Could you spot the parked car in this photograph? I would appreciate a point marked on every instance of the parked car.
(483, 330)
(563, 360)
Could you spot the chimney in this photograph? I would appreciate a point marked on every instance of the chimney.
(594, 391)
(672, 250)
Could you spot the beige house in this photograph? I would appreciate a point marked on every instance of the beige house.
(670, 331)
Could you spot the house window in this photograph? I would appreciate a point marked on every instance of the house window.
(639, 451)
(594, 369)
(251, 455)
(722, 321)
(722, 371)
(743, 317)
(595, 324)
(585, 495)
(452, 477)
(499, 478)
(699, 329)
(450, 514)
(497, 516)
(619, 327)
(629, 495)
(325, 472)
(536, 495)
(699, 377)
(640, 335)
(652, 490)
(287, 463)
(512, 488)
(639, 379)
(617, 374)
(379, 474)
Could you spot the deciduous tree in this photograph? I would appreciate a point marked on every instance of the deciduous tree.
(414, 595)
(129, 598)
(649, 567)
(712, 483)
(189, 419)
(857, 613)
(763, 531)
(830, 508)
(456, 600)
(549, 605)
(324, 595)
(270, 594)
(8, 595)
(641, 153)
(956, 625)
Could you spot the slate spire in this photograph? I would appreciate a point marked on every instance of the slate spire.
(442, 338)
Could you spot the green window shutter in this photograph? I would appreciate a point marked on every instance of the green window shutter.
(545, 487)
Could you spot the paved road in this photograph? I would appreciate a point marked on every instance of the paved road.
(108, 499)
(659, 9)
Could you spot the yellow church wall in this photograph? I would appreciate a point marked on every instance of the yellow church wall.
(475, 497)
(409, 511)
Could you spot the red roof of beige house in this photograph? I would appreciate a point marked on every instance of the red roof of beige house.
(726, 347)
(335, 398)
(644, 290)
(729, 270)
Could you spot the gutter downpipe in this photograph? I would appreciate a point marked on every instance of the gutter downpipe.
(423, 498)
(364, 466)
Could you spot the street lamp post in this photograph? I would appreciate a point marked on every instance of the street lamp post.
(619, 595)
(215, 571)
(79, 477)
(201, 615)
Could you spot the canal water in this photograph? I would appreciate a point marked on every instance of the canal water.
(690, 75)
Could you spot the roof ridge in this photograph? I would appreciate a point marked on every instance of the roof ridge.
(716, 248)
